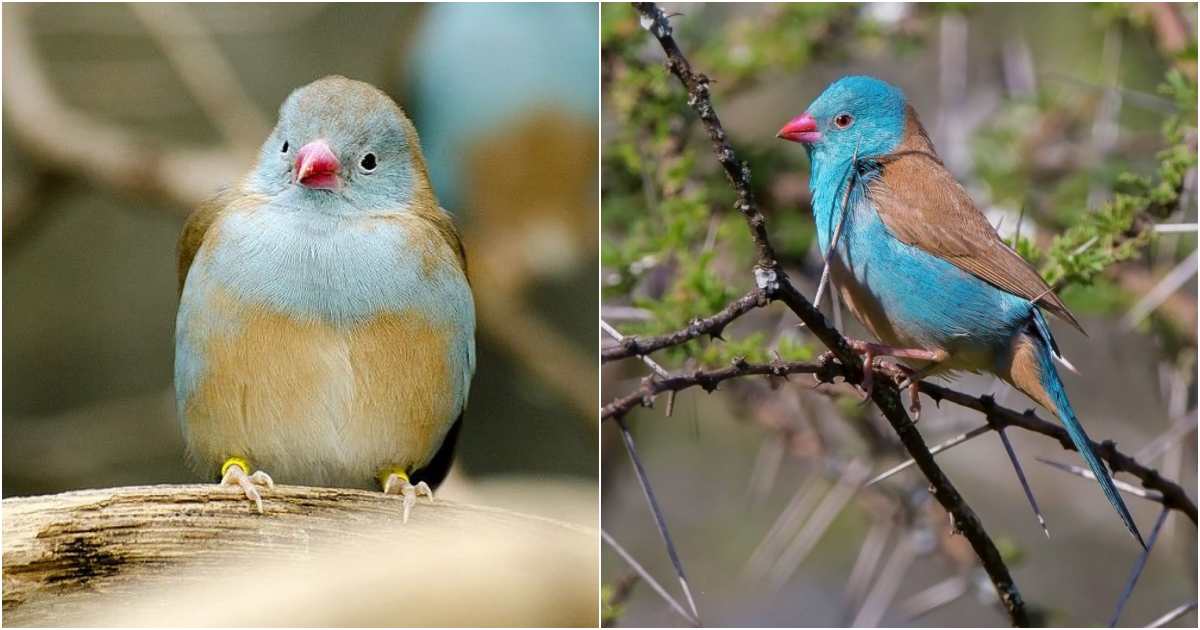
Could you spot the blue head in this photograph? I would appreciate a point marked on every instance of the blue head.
(855, 115)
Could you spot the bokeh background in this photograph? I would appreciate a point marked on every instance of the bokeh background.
(119, 119)
(1042, 111)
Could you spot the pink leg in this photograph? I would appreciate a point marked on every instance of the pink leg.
(871, 350)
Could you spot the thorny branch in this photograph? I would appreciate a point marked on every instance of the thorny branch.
(641, 346)
(999, 417)
(770, 277)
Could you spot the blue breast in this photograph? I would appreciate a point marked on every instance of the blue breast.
(927, 301)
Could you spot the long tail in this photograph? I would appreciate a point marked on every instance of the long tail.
(1032, 371)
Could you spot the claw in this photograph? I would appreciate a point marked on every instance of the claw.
(398, 483)
(234, 473)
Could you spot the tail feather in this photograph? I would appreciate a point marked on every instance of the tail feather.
(1032, 371)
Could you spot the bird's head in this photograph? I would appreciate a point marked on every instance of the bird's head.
(855, 115)
(342, 145)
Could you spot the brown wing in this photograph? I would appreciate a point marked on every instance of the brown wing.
(923, 205)
(196, 228)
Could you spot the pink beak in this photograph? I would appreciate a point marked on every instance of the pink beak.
(317, 167)
(802, 129)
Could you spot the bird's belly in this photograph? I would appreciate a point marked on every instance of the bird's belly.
(317, 404)
(348, 362)
(911, 299)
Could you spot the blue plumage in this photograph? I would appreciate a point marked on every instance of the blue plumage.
(917, 263)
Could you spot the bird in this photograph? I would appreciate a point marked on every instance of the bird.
(325, 333)
(920, 266)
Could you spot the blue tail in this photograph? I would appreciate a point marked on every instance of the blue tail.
(1055, 394)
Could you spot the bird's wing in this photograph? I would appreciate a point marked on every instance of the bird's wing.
(924, 206)
(196, 228)
(449, 234)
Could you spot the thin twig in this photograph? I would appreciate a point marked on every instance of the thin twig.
(1172, 615)
(645, 575)
(659, 520)
(1080, 471)
(1012, 456)
(629, 345)
(1138, 567)
(948, 444)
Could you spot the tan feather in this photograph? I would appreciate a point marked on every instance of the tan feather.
(922, 205)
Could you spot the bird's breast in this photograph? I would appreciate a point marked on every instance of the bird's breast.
(322, 349)
(909, 298)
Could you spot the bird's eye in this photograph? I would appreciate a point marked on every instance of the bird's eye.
(368, 162)
(285, 146)
(843, 120)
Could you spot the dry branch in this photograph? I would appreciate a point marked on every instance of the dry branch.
(200, 555)
(66, 140)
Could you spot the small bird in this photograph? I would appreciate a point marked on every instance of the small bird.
(919, 265)
(326, 327)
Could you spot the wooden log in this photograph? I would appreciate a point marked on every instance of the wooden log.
(202, 555)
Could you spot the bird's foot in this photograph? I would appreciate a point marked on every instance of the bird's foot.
(912, 381)
(236, 472)
(871, 350)
(395, 481)
(868, 350)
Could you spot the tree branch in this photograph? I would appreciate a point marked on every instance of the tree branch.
(639, 346)
(999, 418)
(201, 555)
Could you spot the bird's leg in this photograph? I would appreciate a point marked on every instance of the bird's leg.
(871, 350)
(236, 472)
(395, 481)
(912, 380)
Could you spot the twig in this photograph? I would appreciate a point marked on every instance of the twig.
(1080, 471)
(948, 444)
(207, 73)
(1138, 567)
(713, 326)
(869, 555)
(1172, 615)
(1012, 455)
(941, 594)
(818, 523)
(651, 363)
(1169, 284)
(659, 520)
(877, 601)
(706, 379)
(1172, 494)
(645, 575)
(70, 141)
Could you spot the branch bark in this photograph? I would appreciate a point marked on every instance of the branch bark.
(201, 555)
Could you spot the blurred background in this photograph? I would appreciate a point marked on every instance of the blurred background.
(1045, 112)
(119, 119)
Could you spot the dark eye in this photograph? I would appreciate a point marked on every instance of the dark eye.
(285, 146)
(368, 162)
(843, 120)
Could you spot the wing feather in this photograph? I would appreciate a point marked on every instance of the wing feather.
(922, 205)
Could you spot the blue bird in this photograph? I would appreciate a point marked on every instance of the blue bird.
(919, 265)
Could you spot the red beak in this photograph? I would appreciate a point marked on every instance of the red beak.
(316, 166)
(802, 129)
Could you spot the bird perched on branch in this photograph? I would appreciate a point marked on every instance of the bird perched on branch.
(326, 328)
(919, 265)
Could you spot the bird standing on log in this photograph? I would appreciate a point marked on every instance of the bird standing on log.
(919, 265)
(326, 328)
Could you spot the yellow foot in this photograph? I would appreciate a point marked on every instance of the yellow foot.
(396, 482)
(236, 472)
